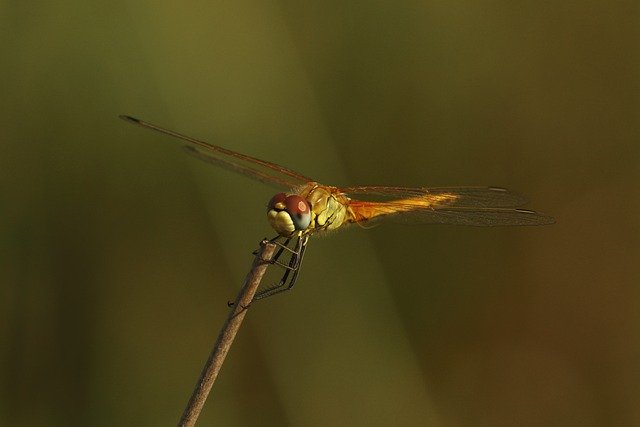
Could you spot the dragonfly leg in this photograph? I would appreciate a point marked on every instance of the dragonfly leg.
(290, 266)
(284, 247)
(292, 269)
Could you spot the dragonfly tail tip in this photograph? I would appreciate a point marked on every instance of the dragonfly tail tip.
(129, 118)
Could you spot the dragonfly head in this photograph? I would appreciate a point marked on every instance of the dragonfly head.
(288, 213)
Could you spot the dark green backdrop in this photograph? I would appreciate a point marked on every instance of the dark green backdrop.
(118, 252)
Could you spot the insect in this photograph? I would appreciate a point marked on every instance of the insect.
(308, 207)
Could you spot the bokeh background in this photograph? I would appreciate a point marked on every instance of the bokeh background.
(119, 252)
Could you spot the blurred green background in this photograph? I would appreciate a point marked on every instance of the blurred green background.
(119, 252)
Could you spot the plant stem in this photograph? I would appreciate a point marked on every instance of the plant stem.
(227, 335)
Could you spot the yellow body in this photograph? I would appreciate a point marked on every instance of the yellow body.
(328, 207)
(331, 209)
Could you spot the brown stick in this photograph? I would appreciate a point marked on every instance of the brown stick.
(227, 334)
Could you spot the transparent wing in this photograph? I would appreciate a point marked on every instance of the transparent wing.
(260, 170)
(486, 197)
(273, 180)
(477, 206)
(487, 217)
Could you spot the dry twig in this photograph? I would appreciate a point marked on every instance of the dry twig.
(227, 334)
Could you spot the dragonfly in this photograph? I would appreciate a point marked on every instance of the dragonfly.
(305, 207)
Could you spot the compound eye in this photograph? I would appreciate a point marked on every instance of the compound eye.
(277, 202)
(299, 210)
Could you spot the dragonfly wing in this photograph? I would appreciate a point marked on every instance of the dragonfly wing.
(260, 170)
(275, 181)
(484, 197)
(485, 217)
(478, 206)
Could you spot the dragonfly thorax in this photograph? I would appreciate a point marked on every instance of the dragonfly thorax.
(328, 208)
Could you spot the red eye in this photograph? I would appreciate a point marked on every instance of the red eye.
(299, 210)
(278, 198)
(296, 205)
